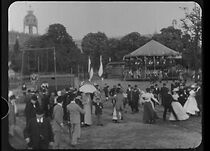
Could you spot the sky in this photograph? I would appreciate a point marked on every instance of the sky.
(112, 18)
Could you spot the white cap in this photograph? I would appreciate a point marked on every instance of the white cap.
(10, 94)
(193, 86)
(175, 89)
(59, 93)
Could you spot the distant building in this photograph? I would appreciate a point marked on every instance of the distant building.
(30, 21)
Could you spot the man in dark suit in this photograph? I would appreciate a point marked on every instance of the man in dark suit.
(58, 125)
(163, 92)
(167, 105)
(38, 132)
(106, 91)
(136, 99)
(182, 95)
(156, 91)
(130, 98)
(112, 92)
(45, 103)
(30, 108)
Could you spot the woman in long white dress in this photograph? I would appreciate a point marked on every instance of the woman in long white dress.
(87, 107)
(191, 105)
(178, 109)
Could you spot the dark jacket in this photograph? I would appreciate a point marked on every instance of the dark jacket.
(30, 111)
(45, 103)
(163, 91)
(167, 100)
(99, 107)
(39, 133)
(112, 92)
(106, 91)
(156, 91)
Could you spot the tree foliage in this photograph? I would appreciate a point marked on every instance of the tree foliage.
(15, 57)
(131, 42)
(113, 49)
(171, 38)
(67, 53)
(192, 25)
(94, 45)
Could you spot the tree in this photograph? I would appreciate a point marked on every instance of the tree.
(94, 45)
(131, 42)
(170, 37)
(191, 25)
(16, 57)
(113, 49)
(67, 53)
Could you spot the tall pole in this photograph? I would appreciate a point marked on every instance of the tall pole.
(145, 67)
(55, 69)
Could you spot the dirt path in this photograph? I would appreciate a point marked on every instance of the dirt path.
(131, 132)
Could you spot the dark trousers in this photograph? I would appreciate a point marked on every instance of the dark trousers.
(136, 106)
(131, 103)
(170, 109)
(82, 117)
(98, 119)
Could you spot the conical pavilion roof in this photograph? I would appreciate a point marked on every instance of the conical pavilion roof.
(153, 48)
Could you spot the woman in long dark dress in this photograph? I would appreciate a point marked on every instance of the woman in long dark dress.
(149, 114)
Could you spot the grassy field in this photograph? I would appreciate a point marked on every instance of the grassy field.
(131, 132)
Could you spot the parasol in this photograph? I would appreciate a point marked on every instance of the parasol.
(87, 88)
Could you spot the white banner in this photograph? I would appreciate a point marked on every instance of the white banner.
(100, 71)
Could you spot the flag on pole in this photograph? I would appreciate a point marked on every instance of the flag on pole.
(89, 63)
(110, 59)
(100, 71)
(91, 74)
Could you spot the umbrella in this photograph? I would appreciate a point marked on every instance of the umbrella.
(87, 88)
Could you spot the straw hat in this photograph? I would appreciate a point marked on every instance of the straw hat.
(175, 89)
(10, 94)
(59, 93)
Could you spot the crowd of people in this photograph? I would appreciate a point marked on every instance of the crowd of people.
(48, 115)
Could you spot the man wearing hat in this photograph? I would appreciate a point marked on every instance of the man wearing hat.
(167, 105)
(38, 132)
(30, 109)
(58, 122)
(182, 94)
(136, 99)
(106, 91)
(75, 110)
(163, 92)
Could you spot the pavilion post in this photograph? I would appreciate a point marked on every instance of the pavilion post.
(145, 67)
(154, 62)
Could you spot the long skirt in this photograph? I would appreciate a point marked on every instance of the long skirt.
(191, 106)
(179, 111)
(148, 113)
(87, 116)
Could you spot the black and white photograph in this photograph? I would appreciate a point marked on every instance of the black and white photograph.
(104, 75)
